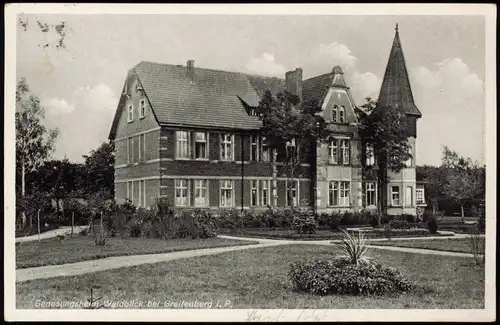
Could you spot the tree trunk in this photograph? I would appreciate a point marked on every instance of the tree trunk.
(23, 193)
(462, 210)
(274, 187)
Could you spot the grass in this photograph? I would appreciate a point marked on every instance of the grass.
(257, 278)
(448, 244)
(320, 234)
(82, 248)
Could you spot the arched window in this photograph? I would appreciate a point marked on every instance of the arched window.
(342, 114)
(335, 113)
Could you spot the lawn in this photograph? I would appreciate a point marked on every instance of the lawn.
(320, 234)
(448, 244)
(257, 278)
(82, 248)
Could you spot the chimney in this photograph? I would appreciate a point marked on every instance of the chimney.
(293, 82)
(190, 70)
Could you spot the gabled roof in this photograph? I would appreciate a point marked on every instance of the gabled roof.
(215, 98)
(315, 88)
(396, 90)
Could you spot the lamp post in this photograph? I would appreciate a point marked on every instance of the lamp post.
(315, 169)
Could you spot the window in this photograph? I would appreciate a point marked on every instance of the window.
(370, 198)
(226, 193)
(200, 192)
(142, 108)
(226, 147)
(344, 193)
(129, 151)
(370, 155)
(130, 115)
(292, 151)
(344, 149)
(143, 186)
(254, 195)
(181, 192)
(254, 146)
(292, 193)
(139, 202)
(342, 114)
(409, 162)
(419, 194)
(395, 195)
(332, 152)
(143, 136)
(130, 190)
(266, 156)
(141, 148)
(200, 145)
(335, 113)
(182, 145)
(264, 193)
(333, 194)
(409, 196)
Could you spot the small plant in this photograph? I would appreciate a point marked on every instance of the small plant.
(432, 225)
(61, 237)
(354, 247)
(101, 237)
(84, 232)
(477, 246)
(305, 223)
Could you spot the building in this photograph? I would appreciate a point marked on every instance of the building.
(188, 134)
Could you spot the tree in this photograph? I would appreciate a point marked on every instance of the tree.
(100, 169)
(291, 128)
(34, 142)
(464, 180)
(385, 129)
(435, 177)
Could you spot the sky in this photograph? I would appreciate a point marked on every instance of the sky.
(79, 85)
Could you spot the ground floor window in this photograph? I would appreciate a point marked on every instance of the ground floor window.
(409, 196)
(292, 197)
(371, 194)
(419, 194)
(264, 192)
(339, 193)
(395, 195)
(226, 193)
(200, 192)
(181, 192)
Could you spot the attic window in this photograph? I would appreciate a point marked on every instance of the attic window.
(335, 113)
(130, 114)
(142, 108)
(341, 114)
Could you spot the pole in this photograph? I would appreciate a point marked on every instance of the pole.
(242, 171)
(38, 215)
(101, 220)
(72, 222)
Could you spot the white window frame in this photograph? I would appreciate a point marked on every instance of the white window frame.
(409, 195)
(185, 140)
(143, 146)
(254, 188)
(335, 113)
(139, 201)
(130, 113)
(420, 191)
(226, 186)
(205, 134)
(370, 155)
(398, 193)
(344, 150)
(264, 185)
(227, 139)
(142, 108)
(341, 116)
(295, 199)
(372, 188)
(333, 152)
(130, 155)
(266, 151)
(254, 147)
(333, 193)
(182, 185)
(344, 193)
(200, 186)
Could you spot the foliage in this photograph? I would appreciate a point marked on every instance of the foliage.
(464, 180)
(305, 222)
(81, 211)
(99, 169)
(341, 276)
(228, 219)
(84, 232)
(100, 237)
(353, 246)
(388, 230)
(403, 224)
(330, 221)
(58, 30)
(435, 178)
(432, 224)
(477, 246)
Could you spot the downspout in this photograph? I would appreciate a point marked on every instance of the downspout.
(242, 171)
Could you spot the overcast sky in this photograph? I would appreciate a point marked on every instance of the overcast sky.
(79, 85)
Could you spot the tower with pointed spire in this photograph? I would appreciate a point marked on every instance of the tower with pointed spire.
(396, 92)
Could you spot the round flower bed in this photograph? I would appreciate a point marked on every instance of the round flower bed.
(341, 276)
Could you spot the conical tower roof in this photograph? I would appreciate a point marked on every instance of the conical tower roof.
(396, 90)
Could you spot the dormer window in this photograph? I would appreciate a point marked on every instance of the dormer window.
(335, 113)
(341, 114)
(142, 108)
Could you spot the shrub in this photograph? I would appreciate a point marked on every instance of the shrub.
(101, 237)
(304, 223)
(329, 221)
(134, 227)
(204, 224)
(432, 224)
(84, 232)
(388, 231)
(340, 276)
(228, 219)
(353, 246)
(408, 218)
(403, 224)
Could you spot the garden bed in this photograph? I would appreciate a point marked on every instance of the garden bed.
(82, 248)
(323, 234)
